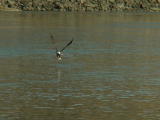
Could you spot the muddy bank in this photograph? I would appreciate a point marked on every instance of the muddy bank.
(80, 5)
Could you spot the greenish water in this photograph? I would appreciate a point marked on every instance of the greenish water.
(111, 71)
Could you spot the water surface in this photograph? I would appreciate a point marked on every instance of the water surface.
(111, 71)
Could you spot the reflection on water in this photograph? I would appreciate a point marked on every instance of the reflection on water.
(111, 71)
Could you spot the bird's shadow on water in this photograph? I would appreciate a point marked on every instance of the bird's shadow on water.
(59, 72)
(62, 70)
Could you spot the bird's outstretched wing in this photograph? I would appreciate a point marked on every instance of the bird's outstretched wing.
(56, 50)
(67, 45)
(52, 38)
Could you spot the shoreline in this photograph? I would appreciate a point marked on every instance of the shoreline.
(81, 5)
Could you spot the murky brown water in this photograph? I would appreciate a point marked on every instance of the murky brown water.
(110, 72)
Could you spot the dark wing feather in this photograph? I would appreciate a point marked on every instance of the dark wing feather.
(67, 45)
(52, 38)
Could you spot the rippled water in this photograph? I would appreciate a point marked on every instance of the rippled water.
(110, 72)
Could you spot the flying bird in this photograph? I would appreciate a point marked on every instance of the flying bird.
(59, 53)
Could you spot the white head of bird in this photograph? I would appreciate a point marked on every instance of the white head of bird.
(59, 53)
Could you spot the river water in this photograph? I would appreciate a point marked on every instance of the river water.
(110, 72)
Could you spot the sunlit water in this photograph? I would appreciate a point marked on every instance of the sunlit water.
(110, 72)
